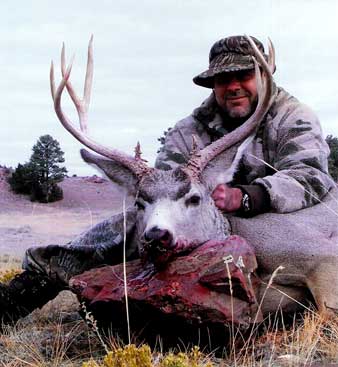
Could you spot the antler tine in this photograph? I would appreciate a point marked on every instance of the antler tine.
(194, 146)
(52, 80)
(271, 61)
(89, 74)
(80, 104)
(139, 168)
(198, 162)
(259, 80)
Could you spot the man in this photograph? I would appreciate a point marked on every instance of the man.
(284, 169)
(289, 138)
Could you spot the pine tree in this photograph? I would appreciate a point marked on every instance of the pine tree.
(45, 161)
(39, 177)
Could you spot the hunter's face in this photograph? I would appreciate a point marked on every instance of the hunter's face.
(236, 93)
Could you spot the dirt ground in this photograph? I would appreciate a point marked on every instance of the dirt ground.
(87, 201)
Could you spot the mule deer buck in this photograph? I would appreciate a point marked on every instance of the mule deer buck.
(175, 211)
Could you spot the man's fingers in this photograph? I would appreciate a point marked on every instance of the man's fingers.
(227, 199)
(220, 204)
(218, 196)
(219, 192)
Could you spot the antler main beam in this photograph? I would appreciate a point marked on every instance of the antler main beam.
(264, 81)
(137, 166)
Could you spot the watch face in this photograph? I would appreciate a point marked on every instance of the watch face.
(246, 203)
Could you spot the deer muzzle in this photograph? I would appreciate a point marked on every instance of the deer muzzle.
(159, 237)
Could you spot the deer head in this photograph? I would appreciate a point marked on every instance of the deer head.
(175, 209)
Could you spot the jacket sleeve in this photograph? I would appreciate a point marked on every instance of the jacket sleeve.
(299, 160)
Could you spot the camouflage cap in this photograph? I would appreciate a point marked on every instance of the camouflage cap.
(228, 54)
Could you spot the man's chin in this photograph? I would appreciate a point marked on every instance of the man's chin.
(238, 112)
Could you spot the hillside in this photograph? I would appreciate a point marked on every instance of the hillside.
(87, 200)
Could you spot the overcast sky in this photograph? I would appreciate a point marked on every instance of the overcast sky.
(146, 54)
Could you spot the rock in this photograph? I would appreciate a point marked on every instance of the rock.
(192, 290)
(96, 179)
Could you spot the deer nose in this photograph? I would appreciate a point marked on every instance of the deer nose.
(158, 234)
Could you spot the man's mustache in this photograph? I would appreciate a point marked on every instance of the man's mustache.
(236, 94)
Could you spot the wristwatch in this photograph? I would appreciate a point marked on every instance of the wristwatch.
(246, 203)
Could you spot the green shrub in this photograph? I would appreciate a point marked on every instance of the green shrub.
(22, 179)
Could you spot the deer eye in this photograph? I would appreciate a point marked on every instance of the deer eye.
(193, 200)
(139, 205)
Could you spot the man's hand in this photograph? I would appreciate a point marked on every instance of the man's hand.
(227, 199)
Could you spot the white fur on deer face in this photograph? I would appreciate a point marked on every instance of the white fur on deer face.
(177, 214)
(174, 212)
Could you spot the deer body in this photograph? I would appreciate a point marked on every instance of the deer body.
(171, 220)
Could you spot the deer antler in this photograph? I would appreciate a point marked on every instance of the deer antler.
(137, 166)
(271, 60)
(199, 161)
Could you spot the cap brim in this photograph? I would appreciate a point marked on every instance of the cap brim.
(206, 79)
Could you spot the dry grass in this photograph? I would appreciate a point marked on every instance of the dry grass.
(56, 336)
(9, 267)
(308, 340)
(52, 336)
(9, 262)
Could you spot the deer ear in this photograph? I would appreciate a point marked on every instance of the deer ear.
(113, 170)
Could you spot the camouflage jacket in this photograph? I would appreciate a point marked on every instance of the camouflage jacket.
(289, 140)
